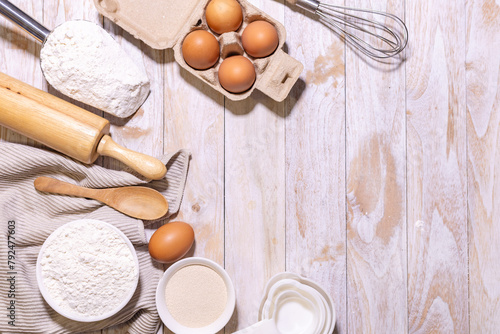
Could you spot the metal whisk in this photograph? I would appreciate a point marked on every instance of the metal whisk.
(372, 37)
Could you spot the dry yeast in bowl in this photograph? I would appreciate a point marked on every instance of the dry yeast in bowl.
(195, 296)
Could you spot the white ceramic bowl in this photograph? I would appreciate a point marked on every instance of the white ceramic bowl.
(74, 316)
(295, 319)
(167, 318)
(330, 307)
(305, 292)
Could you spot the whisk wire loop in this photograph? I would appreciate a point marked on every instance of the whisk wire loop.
(372, 37)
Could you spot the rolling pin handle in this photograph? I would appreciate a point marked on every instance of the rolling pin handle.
(146, 165)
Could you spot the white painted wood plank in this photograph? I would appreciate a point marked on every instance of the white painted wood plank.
(315, 159)
(375, 168)
(255, 208)
(483, 126)
(194, 120)
(255, 194)
(436, 159)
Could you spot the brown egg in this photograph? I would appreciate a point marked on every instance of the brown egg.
(200, 49)
(260, 39)
(171, 242)
(224, 15)
(236, 74)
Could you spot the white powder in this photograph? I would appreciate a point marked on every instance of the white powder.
(87, 268)
(82, 61)
(196, 296)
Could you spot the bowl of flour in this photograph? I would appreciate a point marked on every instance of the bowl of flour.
(87, 270)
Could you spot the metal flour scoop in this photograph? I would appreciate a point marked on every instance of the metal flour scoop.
(96, 70)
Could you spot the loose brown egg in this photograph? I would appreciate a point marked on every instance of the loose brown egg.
(260, 39)
(224, 15)
(171, 242)
(236, 74)
(200, 49)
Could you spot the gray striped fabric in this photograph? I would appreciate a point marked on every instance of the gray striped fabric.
(36, 215)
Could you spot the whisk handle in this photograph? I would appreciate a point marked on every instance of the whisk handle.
(23, 20)
(309, 5)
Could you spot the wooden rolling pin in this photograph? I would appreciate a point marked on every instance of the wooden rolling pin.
(65, 127)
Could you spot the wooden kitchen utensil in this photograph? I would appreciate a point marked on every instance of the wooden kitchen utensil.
(138, 202)
(65, 127)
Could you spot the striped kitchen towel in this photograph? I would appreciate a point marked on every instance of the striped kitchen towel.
(32, 216)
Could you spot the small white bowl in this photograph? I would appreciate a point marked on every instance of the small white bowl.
(305, 292)
(46, 294)
(294, 318)
(330, 307)
(164, 313)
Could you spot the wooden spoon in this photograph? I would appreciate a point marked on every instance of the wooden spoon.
(138, 202)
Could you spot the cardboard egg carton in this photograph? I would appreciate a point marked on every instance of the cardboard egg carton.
(165, 24)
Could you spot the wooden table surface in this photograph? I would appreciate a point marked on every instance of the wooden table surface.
(379, 181)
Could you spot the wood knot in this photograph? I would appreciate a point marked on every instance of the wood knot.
(196, 207)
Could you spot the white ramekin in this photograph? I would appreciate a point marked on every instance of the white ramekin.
(167, 318)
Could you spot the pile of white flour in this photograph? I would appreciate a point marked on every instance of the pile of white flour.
(82, 61)
(87, 268)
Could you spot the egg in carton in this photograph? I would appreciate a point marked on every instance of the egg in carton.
(165, 24)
